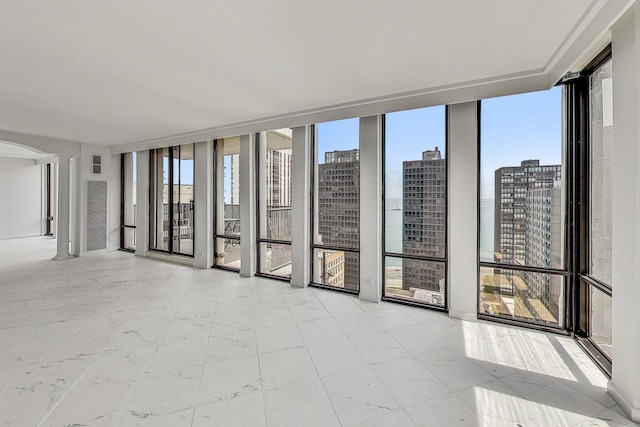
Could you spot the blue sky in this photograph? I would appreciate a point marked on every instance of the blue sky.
(519, 127)
(513, 128)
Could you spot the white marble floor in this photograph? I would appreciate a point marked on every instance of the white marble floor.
(113, 339)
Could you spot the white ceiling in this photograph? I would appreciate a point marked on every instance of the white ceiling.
(114, 72)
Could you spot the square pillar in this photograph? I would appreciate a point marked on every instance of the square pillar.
(203, 206)
(462, 227)
(300, 205)
(248, 205)
(371, 208)
(142, 202)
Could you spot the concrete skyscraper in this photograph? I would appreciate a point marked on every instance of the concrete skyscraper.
(424, 220)
(339, 207)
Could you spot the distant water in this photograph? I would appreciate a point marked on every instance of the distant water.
(393, 229)
(486, 229)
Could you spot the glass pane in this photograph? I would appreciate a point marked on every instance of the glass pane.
(230, 148)
(159, 215)
(275, 184)
(601, 320)
(601, 103)
(415, 280)
(129, 188)
(183, 199)
(336, 268)
(227, 253)
(520, 295)
(130, 238)
(275, 259)
(337, 186)
(521, 182)
(415, 182)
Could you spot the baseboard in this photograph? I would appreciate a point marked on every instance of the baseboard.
(632, 412)
(463, 315)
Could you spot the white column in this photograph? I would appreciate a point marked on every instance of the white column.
(64, 193)
(462, 227)
(77, 199)
(371, 208)
(142, 202)
(54, 199)
(300, 245)
(263, 175)
(247, 205)
(625, 383)
(203, 212)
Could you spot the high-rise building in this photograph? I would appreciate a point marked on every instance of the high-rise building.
(339, 204)
(543, 248)
(512, 185)
(424, 220)
(235, 179)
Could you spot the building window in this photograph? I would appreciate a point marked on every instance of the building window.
(171, 199)
(415, 206)
(593, 98)
(336, 205)
(273, 190)
(227, 253)
(128, 199)
(522, 210)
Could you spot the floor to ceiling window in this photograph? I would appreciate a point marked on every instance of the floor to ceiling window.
(522, 210)
(128, 201)
(49, 199)
(415, 206)
(171, 199)
(594, 292)
(227, 189)
(336, 205)
(273, 191)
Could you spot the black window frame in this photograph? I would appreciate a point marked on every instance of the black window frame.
(582, 281)
(444, 260)
(170, 184)
(216, 235)
(564, 272)
(258, 218)
(123, 225)
(313, 153)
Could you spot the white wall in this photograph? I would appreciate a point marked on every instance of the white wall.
(625, 256)
(81, 173)
(20, 191)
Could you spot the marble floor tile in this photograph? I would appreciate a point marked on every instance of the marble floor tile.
(284, 367)
(227, 379)
(181, 418)
(274, 338)
(397, 418)
(391, 318)
(453, 369)
(378, 347)
(359, 395)
(164, 392)
(357, 324)
(113, 339)
(241, 411)
(445, 411)
(91, 405)
(410, 382)
(230, 343)
(300, 404)
(342, 307)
